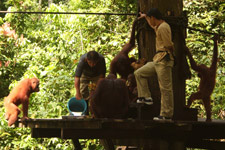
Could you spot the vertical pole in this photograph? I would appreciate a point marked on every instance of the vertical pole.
(76, 144)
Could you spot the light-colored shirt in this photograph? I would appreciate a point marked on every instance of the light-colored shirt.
(163, 40)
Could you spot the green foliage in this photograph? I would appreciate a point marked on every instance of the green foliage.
(52, 44)
(12, 67)
(207, 15)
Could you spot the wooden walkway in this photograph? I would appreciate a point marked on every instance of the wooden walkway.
(181, 134)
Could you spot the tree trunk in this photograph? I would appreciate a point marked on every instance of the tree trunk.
(176, 6)
(146, 46)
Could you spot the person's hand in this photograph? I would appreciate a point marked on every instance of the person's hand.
(142, 15)
(78, 96)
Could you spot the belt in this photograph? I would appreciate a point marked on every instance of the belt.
(160, 51)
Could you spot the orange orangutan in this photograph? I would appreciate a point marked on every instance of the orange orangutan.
(207, 79)
(20, 95)
(121, 63)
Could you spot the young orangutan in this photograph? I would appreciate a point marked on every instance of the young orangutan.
(20, 95)
(121, 64)
(132, 87)
(207, 79)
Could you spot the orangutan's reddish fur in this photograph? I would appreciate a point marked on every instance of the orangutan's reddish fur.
(20, 95)
(207, 79)
(132, 88)
(110, 98)
(121, 64)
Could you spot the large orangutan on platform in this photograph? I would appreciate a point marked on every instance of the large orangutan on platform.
(110, 98)
(207, 79)
(20, 95)
(121, 64)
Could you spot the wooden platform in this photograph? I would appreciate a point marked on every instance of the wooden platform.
(198, 134)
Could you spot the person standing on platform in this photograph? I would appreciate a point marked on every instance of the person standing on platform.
(162, 64)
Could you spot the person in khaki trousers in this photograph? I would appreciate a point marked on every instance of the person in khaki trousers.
(162, 64)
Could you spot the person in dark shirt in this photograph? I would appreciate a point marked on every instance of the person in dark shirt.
(90, 69)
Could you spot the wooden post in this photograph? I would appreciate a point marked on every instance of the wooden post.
(172, 10)
(76, 144)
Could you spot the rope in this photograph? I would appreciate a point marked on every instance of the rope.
(79, 13)
(82, 13)
(203, 31)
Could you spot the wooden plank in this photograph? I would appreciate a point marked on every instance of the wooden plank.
(208, 131)
(193, 134)
(117, 133)
(46, 132)
(98, 123)
(206, 144)
(197, 130)
(65, 123)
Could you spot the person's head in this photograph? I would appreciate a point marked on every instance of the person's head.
(153, 15)
(92, 58)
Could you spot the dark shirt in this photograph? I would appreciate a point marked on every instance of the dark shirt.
(84, 68)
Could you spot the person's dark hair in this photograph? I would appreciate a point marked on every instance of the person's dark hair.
(155, 13)
(92, 56)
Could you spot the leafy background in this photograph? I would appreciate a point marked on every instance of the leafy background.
(48, 46)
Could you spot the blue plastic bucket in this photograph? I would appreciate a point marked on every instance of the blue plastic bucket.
(77, 107)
